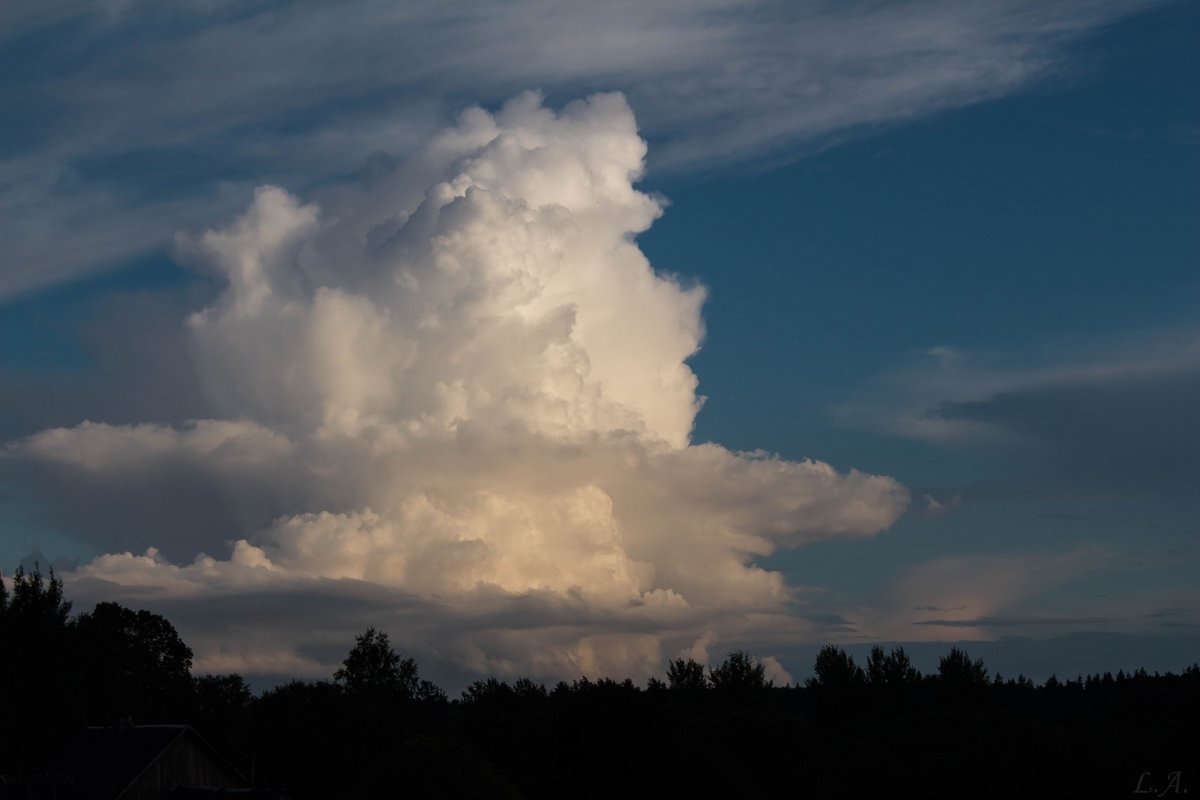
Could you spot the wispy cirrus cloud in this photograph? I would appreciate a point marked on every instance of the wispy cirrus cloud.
(1110, 415)
(954, 597)
(126, 121)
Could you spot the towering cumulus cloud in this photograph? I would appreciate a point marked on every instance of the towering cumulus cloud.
(452, 398)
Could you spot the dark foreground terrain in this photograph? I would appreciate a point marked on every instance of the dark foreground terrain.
(377, 730)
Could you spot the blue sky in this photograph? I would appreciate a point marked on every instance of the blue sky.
(954, 245)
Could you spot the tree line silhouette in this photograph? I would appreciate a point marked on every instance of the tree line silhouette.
(376, 728)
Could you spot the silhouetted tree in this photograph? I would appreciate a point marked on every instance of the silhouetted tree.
(487, 690)
(37, 603)
(957, 669)
(891, 669)
(429, 692)
(36, 669)
(4, 634)
(221, 713)
(222, 697)
(835, 669)
(374, 668)
(524, 687)
(364, 736)
(135, 666)
(739, 671)
(686, 675)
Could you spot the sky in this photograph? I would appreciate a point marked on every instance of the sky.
(559, 341)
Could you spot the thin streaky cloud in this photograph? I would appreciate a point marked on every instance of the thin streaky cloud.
(225, 96)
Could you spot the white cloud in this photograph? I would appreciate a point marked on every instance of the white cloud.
(120, 450)
(776, 673)
(469, 396)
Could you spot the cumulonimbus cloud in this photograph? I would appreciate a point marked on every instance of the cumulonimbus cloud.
(459, 381)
